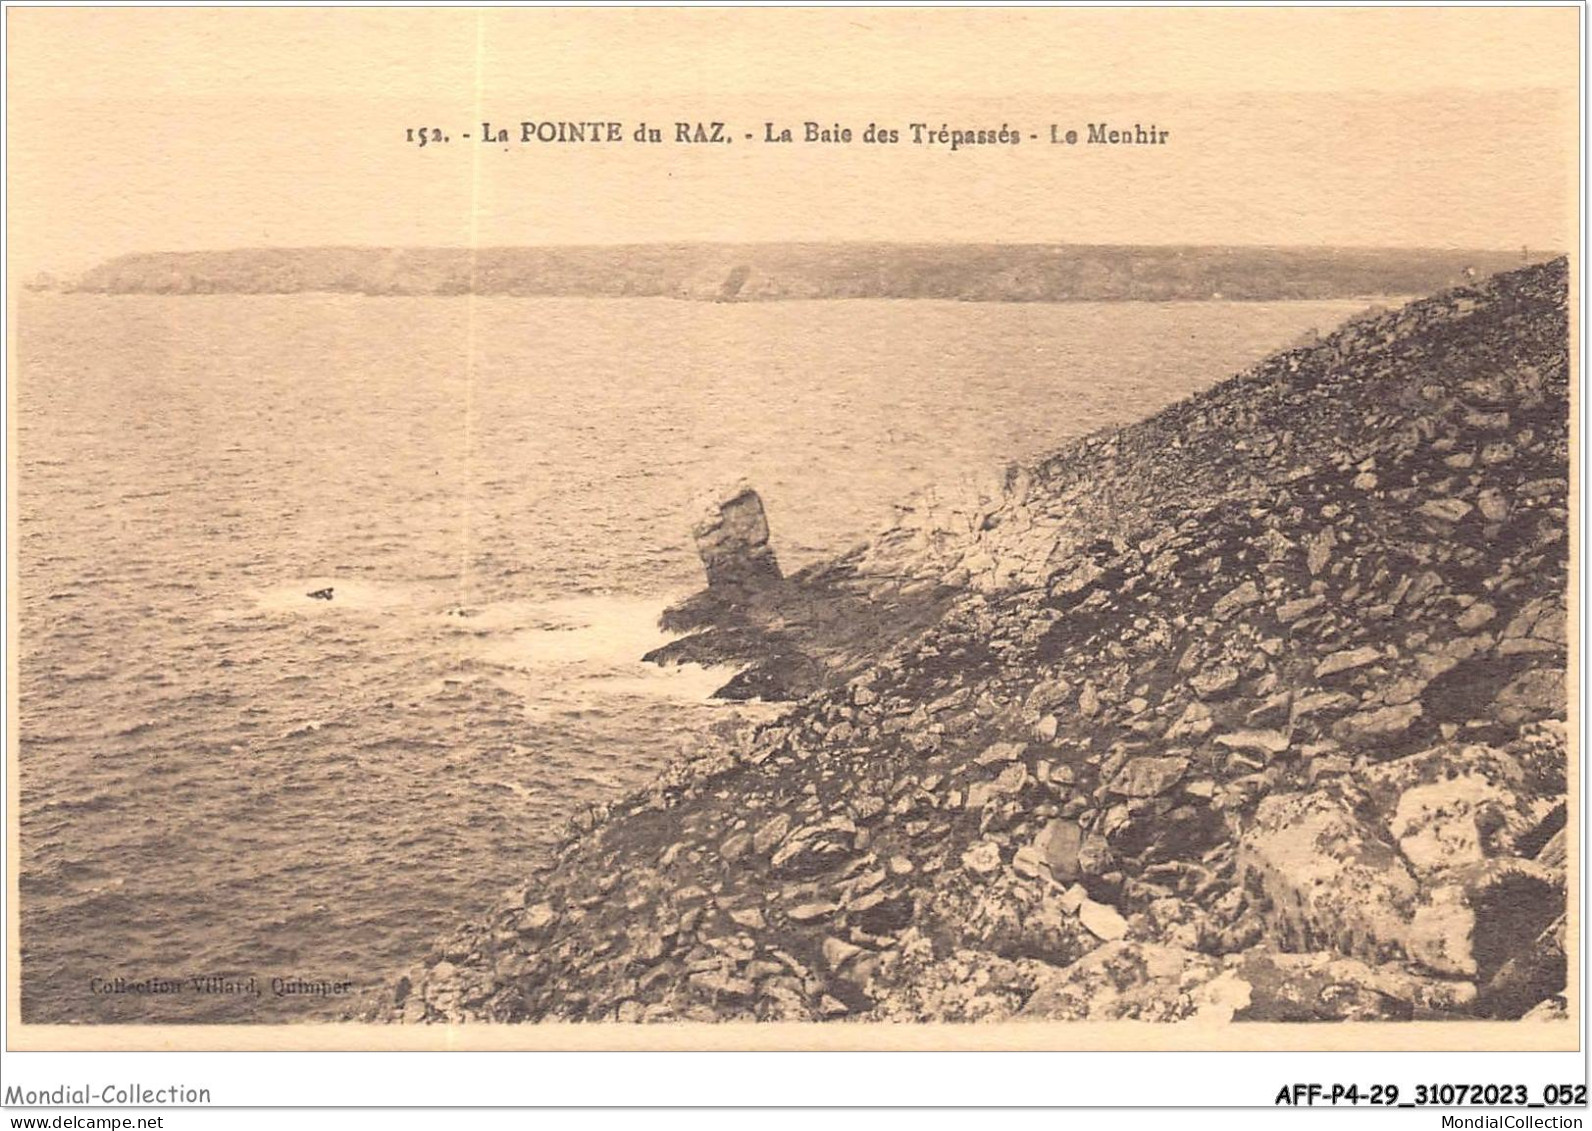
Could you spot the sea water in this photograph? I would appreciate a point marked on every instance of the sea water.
(224, 778)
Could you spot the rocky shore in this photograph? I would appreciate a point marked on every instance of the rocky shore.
(1255, 710)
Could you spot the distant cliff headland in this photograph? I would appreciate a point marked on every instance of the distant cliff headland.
(764, 272)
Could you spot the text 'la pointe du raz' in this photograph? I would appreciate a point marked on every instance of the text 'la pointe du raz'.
(815, 133)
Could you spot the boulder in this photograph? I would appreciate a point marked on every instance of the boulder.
(1242, 597)
(1534, 694)
(770, 833)
(537, 921)
(983, 858)
(814, 848)
(882, 912)
(1374, 728)
(1266, 743)
(1496, 924)
(1058, 846)
(1452, 806)
(1347, 660)
(1290, 611)
(1329, 987)
(1149, 776)
(1215, 682)
(1445, 510)
(1328, 879)
(1102, 920)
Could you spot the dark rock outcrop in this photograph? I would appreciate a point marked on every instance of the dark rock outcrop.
(790, 636)
(731, 536)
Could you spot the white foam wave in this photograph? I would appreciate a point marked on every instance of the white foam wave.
(577, 647)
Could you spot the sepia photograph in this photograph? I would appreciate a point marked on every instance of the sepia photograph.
(686, 528)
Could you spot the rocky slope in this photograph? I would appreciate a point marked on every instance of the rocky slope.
(1255, 710)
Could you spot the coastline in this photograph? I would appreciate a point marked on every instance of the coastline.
(772, 272)
(1181, 743)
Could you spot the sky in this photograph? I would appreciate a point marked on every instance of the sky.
(186, 129)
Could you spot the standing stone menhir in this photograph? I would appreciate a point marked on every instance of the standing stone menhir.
(731, 534)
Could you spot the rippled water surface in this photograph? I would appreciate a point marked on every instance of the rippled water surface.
(222, 776)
